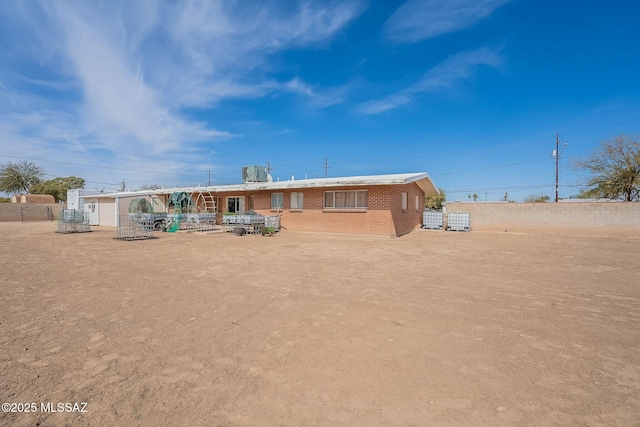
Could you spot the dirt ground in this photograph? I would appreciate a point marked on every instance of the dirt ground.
(302, 329)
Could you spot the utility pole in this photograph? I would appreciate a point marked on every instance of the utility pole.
(269, 168)
(209, 177)
(122, 187)
(557, 153)
(557, 162)
(326, 167)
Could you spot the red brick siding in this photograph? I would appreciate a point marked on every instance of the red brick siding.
(383, 215)
(406, 220)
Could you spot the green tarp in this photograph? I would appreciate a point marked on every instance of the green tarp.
(180, 200)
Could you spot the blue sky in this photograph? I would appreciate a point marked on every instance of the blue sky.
(471, 91)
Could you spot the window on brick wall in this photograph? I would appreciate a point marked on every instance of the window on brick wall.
(296, 201)
(405, 200)
(235, 204)
(417, 202)
(277, 200)
(349, 199)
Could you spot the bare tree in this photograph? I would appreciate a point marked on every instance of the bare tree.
(150, 187)
(536, 199)
(614, 168)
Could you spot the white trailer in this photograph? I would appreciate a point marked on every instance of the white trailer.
(75, 198)
(75, 201)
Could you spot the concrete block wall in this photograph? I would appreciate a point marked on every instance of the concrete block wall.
(10, 212)
(595, 216)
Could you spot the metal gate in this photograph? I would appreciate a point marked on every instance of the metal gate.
(36, 213)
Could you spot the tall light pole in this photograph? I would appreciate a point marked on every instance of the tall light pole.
(557, 155)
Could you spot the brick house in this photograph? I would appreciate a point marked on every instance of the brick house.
(390, 205)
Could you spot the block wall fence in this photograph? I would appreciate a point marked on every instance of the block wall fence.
(595, 216)
(10, 212)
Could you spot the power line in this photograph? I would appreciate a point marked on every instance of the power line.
(326, 165)
(101, 167)
(490, 167)
(521, 187)
(338, 160)
(142, 156)
(91, 182)
(90, 154)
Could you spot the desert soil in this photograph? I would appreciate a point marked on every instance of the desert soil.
(304, 329)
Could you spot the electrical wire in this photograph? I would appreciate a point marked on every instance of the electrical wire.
(91, 182)
(101, 167)
(60, 141)
(198, 177)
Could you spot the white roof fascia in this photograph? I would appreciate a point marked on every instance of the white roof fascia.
(97, 196)
(422, 180)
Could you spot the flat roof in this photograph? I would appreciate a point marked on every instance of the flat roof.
(421, 178)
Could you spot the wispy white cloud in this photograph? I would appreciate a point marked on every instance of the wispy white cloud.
(125, 73)
(318, 97)
(459, 67)
(116, 95)
(450, 72)
(50, 84)
(230, 51)
(418, 20)
(382, 105)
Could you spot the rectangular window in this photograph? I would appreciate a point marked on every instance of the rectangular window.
(362, 199)
(341, 199)
(277, 200)
(349, 199)
(235, 205)
(296, 201)
(405, 201)
(417, 202)
(328, 199)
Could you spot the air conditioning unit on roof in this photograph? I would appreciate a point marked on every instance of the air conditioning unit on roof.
(254, 174)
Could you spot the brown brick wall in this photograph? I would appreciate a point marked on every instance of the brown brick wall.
(383, 215)
(405, 220)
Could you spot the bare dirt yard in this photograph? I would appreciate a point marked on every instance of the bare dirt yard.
(301, 329)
